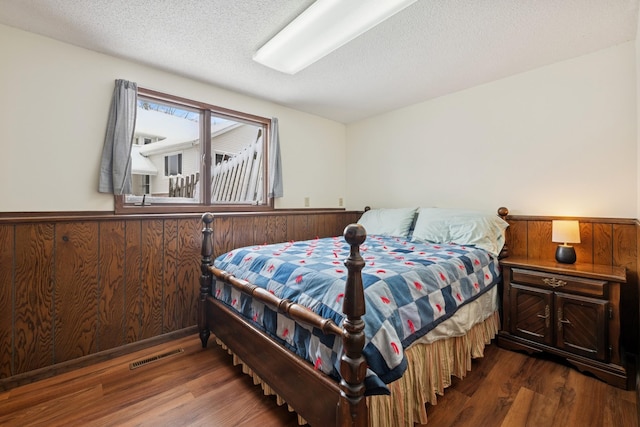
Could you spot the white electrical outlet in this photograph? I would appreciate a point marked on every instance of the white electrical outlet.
(306, 202)
(340, 202)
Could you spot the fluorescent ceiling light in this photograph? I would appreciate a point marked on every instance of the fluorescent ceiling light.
(322, 28)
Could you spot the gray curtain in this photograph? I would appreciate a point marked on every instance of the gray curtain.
(275, 162)
(115, 167)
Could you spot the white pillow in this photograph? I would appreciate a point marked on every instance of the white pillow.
(460, 226)
(390, 222)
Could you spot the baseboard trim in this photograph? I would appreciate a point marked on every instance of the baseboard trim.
(81, 362)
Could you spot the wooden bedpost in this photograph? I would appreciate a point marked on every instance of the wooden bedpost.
(205, 278)
(352, 406)
(503, 213)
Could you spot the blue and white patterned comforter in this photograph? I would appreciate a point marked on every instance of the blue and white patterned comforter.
(410, 288)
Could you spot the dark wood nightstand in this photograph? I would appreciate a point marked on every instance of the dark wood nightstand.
(570, 310)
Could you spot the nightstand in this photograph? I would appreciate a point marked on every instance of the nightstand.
(570, 310)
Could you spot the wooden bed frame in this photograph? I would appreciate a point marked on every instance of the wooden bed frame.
(317, 398)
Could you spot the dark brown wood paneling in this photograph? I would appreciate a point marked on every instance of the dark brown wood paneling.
(584, 250)
(6, 299)
(111, 310)
(277, 229)
(539, 240)
(189, 245)
(76, 290)
(222, 235)
(327, 226)
(625, 255)
(170, 284)
(133, 281)
(152, 280)
(298, 227)
(314, 224)
(243, 231)
(33, 334)
(624, 246)
(517, 238)
(334, 225)
(603, 244)
(261, 229)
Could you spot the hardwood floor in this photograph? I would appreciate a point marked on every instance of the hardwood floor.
(197, 387)
(202, 387)
(507, 389)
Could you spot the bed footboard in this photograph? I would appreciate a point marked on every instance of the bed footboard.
(349, 404)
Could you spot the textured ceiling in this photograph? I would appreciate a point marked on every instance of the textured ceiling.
(431, 48)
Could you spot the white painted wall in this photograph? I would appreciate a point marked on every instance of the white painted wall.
(54, 101)
(561, 139)
(558, 140)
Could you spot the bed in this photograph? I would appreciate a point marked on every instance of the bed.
(361, 330)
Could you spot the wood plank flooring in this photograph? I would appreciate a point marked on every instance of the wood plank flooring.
(506, 389)
(202, 387)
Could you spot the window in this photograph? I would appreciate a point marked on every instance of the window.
(188, 154)
(146, 184)
(221, 157)
(173, 165)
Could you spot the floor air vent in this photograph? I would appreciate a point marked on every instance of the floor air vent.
(143, 362)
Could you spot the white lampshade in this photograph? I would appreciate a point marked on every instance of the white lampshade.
(565, 231)
(322, 28)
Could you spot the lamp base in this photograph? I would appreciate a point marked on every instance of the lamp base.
(566, 254)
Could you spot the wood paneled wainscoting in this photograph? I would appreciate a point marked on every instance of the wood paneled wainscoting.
(80, 287)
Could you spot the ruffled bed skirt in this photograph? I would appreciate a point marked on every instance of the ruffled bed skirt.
(431, 368)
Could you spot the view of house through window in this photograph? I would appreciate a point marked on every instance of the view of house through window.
(190, 154)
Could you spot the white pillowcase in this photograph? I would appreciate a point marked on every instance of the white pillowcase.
(390, 222)
(460, 226)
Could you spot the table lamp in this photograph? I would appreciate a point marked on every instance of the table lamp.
(565, 232)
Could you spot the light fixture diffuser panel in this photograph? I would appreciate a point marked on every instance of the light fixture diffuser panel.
(322, 28)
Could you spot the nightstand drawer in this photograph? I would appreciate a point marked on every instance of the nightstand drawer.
(577, 285)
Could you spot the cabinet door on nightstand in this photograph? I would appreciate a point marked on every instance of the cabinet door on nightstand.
(582, 325)
(531, 312)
